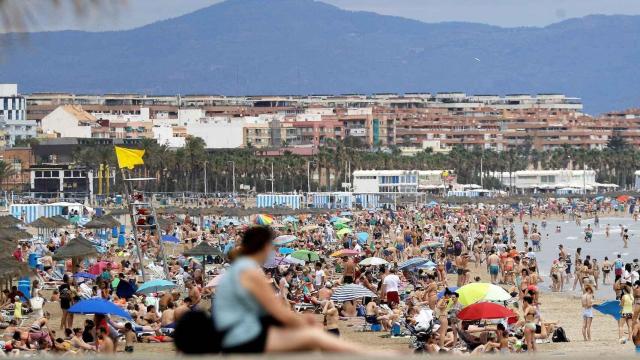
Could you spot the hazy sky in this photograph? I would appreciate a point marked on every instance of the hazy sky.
(132, 13)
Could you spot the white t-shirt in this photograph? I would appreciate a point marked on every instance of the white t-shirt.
(391, 283)
(319, 277)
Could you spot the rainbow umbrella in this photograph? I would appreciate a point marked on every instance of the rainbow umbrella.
(476, 292)
(263, 219)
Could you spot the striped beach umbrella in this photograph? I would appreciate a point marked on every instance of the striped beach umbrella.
(284, 239)
(351, 292)
(412, 263)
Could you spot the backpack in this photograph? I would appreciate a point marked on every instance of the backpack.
(559, 335)
(457, 248)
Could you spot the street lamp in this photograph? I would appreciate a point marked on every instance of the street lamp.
(233, 174)
(205, 177)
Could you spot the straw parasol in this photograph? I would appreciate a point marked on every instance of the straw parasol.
(14, 234)
(203, 249)
(43, 223)
(109, 220)
(9, 220)
(75, 248)
(11, 268)
(118, 212)
(60, 221)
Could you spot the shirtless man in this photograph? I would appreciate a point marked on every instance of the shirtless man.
(636, 335)
(349, 272)
(325, 292)
(493, 261)
(194, 293)
(331, 318)
(105, 343)
(184, 308)
(167, 320)
(461, 264)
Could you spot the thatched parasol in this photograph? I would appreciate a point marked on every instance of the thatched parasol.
(60, 220)
(14, 234)
(203, 249)
(75, 248)
(11, 268)
(109, 220)
(43, 223)
(9, 220)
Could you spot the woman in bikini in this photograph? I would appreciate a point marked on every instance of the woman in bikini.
(442, 314)
(529, 312)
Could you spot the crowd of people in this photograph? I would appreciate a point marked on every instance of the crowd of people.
(264, 294)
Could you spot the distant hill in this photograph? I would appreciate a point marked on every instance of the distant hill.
(304, 46)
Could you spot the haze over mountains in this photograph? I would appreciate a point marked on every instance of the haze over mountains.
(307, 47)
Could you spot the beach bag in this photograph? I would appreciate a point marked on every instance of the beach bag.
(36, 303)
(559, 335)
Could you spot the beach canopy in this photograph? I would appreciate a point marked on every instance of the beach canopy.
(476, 292)
(154, 286)
(76, 248)
(98, 306)
(412, 263)
(485, 311)
(284, 239)
(203, 249)
(611, 307)
(373, 261)
(351, 292)
(305, 255)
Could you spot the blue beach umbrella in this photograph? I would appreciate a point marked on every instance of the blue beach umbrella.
(362, 237)
(153, 286)
(412, 263)
(170, 238)
(451, 288)
(98, 306)
(611, 307)
(286, 251)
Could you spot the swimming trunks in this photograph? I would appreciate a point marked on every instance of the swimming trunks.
(494, 269)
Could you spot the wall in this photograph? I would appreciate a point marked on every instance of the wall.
(65, 124)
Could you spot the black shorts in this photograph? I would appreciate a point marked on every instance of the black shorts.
(258, 343)
(65, 304)
(347, 279)
(460, 271)
(128, 349)
(335, 331)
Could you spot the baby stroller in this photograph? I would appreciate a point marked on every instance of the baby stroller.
(421, 331)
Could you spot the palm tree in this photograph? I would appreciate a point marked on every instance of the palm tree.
(6, 172)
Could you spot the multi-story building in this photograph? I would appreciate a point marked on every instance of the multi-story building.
(13, 116)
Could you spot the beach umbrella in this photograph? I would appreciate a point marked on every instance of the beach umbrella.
(485, 311)
(343, 232)
(203, 249)
(599, 198)
(85, 275)
(412, 263)
(623, 198)
(229, 222)
(339, 226)
(342, 220)
(43, 223)
(345, 252)
(432, 203)
(11, 268)
(310, 227)
(292, 261)
(362, 237)
(76, 248)
(9, 220)
(170, 238)
(262, 219)
(286, 251)
(432, 244)
(351, 292)
(334, 219)
(611, 307)
(373, 261)
(451, 289)
(284, 239)
(289, 219)
(476, 292)
(305, 255)
(427, 265)
(98, 306)
(154, 286)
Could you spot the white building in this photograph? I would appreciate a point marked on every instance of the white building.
(551, 180)
(68, 121)
(13, 115)
(164, 136)
(218, 132)
(385, 181)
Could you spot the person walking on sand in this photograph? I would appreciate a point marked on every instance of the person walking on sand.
(587, 312)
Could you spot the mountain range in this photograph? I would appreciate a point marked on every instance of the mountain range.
(258, 47)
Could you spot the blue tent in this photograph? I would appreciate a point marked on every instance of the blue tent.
(98, 306)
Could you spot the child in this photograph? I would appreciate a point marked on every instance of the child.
(17, 309)
(129, 337)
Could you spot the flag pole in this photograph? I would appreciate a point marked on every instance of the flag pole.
(133, 223)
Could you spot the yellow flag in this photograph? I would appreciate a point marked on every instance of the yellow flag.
(128, 158)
